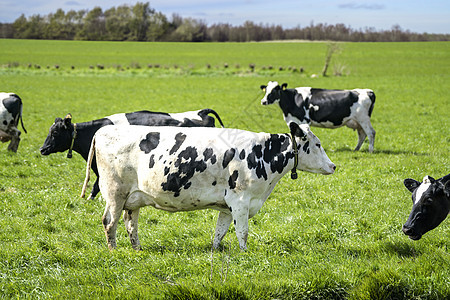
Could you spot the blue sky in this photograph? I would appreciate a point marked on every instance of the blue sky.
(432, 16)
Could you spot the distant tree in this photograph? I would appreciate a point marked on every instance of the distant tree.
(140, 21)
(94, 28)
(6, 31)
(190, 30)
(117, 23)
(158, 27)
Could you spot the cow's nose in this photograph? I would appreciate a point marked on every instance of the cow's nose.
(407, 230)
(263, 102)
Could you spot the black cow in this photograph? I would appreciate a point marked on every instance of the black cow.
(10, 114)
(431, 205)
(325, 108)
(64, 135)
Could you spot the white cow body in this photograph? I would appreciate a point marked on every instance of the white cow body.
(182, 169)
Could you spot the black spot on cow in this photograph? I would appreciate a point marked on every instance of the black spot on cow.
(242, 154)
(214, 183)
(186, 165)
(209, 154)
(152, 161)
(254, 161)
(5, 122)
(329, 111)
(160, 157)
(306, 147)
(166, 171)
(275, 152)
(231, 209)
(150, 142)
(179, 139)
(187, 185)
(228, 156)
(232, 179)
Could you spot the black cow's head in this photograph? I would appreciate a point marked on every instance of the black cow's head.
(431, 205)
(273, 92)
(59, 137)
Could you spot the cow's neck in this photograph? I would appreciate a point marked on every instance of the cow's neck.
(85, 134)
(288, 105)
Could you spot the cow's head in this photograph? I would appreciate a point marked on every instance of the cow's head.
(59, 137)
(431, 205)
(272, 90)
(311, 155)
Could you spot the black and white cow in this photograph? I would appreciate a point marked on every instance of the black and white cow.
(182, 169)
(64, 135)
(10, 114)
(325, 108)
(431, 205)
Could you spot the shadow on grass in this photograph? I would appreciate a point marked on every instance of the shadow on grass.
(401, 249)
(382, 151)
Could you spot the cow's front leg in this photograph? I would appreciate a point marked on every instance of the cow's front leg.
(110, 219)
(130, 218)
(15, 139)
(223, 223)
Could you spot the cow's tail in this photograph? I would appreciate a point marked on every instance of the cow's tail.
(207, 111)
(371, 95)
(19, 116)
(88, 167)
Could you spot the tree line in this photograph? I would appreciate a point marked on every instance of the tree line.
(143, 23)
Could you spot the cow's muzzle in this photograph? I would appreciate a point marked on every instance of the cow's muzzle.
(411, 233)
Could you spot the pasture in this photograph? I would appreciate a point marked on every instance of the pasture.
(318, 237)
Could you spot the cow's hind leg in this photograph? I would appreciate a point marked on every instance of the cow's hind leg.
(110, 219)
(223, 223)
(361, 137)
(130, 218)
(95, 190)
(240, 215)
(368, 129)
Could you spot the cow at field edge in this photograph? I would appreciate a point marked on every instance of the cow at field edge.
(10, 114)
(325, 108)
(64, 135)
(182, 169)
(431, 205)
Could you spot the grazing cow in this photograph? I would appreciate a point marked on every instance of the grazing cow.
(325, 108)
(10, 114)
(64, 135)
(431, 205)
(182, 169)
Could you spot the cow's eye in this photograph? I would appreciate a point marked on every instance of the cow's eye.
(428, 201)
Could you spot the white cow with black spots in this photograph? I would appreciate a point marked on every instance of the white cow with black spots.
(325, 108)
(182, 169)
(10, 115)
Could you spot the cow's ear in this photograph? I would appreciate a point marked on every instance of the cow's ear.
(57, 120)
(411, 184)
(263, 87)
(296, 130)
(68, 120)
(284, 86)
(447, 189)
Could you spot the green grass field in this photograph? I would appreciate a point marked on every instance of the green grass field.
(319, 237)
